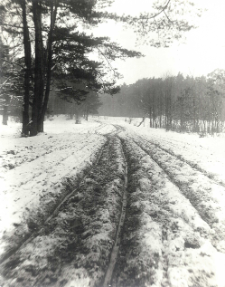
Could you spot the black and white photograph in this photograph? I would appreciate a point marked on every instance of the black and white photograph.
(112, 143)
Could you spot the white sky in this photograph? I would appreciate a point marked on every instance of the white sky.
(203, 51)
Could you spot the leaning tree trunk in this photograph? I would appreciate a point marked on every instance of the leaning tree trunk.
(39, 68)
(27, 52)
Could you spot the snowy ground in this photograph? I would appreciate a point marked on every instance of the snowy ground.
(207, 153)
(35, 171)
(80, 201)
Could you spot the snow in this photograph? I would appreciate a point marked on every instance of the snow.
(207, 153)
(176, 199)
(94, 209)
(34, 170)
(170, 227)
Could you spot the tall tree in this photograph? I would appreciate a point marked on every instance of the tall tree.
(28, 68)
(165, 22)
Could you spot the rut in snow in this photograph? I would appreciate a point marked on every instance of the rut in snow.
(180, 158)
(162, 230)
(114, 253)
(39, 228)
(208, 202)
(77, 242)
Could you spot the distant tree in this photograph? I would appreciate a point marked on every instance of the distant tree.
(58, 30)
(10, 83)
(91, 105)
(184, 104)
(168, 87)
(4, 83)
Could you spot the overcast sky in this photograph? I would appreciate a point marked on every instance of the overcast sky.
(203, 51)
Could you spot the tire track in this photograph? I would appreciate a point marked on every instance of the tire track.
(115, 250)
(21, 159)
(39, 229)
(162, 230)
(58, 163)
(126, 224)
(101, 126)
(27, 206)
(201, 191)
(80, 232)
(193, 165)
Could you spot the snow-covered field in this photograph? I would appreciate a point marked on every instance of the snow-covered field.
(173, 233)
(35, 171)
(207, 153)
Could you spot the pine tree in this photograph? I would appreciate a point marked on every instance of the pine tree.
(58, 28)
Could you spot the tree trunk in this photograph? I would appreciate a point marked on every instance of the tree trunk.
(40, 125)
(39, 68)
(168, 107)
(153, 110)
(168, 125)
(27, 52)
(5, 114)
(77, 118)
(49, 67)
(194, 114)
(141, 122)
(150, 117)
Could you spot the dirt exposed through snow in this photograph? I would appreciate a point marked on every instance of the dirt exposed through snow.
(165, 240)
(31, 190)
(108, 280)
(163, 228)
(204, 194)
(74, 247)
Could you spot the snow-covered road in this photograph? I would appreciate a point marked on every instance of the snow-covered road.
(63, 195)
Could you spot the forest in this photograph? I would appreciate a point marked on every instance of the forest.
(183, 104)
(48, 45)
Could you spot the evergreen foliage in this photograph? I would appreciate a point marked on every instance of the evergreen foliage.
(54, 39)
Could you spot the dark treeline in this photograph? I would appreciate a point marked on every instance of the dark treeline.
(184, 104)
(46, 41)
(58, 106)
